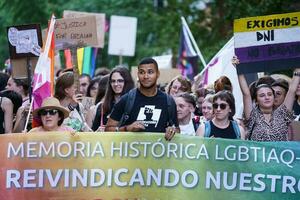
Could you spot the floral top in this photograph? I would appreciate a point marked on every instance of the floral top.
(276, 130)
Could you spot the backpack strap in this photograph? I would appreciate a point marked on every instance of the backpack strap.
(236, 129)
(128, 106)
(207, 129)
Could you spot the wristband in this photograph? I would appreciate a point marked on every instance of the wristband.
(296, 73)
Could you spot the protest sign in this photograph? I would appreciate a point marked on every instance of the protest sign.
(19, 67)
(122, 35)
(100, 23)
(75, 32)
(267, 43)
(145, 166)
(24, 41)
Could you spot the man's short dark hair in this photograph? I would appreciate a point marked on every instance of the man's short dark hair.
(149, 61)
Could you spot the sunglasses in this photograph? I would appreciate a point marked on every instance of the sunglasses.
(221, 105)
(50, 112)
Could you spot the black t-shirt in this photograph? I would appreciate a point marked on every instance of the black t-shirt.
(153, 111)
(227, 132)
(296, 108)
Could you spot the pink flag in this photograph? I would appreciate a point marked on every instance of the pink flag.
(43, 73)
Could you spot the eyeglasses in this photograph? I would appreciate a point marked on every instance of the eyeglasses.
(221, 105)
(50, 112)
(117, 81)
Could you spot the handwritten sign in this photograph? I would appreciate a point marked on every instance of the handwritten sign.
(267, 43)
(75, 32)
(100, 23)
(24, 40)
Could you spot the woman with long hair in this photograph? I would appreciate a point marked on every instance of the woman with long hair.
(120, 82)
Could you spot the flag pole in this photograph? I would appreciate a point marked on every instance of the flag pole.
(28, 116)
(193, 41)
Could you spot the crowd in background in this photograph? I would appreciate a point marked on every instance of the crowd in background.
(270, 105)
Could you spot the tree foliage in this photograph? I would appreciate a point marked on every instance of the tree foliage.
(158, 26)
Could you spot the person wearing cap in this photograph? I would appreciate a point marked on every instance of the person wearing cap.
(52, 115)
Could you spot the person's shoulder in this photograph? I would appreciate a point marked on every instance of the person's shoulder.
(36, 129)
(6, 102)
(65, 128)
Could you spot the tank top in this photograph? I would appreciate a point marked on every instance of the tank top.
(227, 132)
(2, 131)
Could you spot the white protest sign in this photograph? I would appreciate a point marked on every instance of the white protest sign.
(122, 36)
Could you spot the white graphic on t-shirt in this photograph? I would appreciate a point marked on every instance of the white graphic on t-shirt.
(149, 115)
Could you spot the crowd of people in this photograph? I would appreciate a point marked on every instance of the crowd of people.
(111, 102)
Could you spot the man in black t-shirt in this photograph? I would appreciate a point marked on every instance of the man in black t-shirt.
(149, 112)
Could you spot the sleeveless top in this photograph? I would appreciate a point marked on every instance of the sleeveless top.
(2, 131)
(227, 133)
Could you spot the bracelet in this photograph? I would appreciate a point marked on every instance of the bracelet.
(296, 73)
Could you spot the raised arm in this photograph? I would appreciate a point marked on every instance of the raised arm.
(290, 96)
(247, 100)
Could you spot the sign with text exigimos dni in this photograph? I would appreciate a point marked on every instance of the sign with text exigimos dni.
(267, 43)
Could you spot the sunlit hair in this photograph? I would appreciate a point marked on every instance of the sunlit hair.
(222, 83)
(186, 85)
(64, 81)
(227, 96)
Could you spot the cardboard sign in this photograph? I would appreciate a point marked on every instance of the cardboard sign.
(19, 67)
(122, 36)
(100, 23)
(24, 40)
(75, 32)
(267, 43)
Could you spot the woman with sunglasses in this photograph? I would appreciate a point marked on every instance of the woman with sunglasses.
(52, 115)
(263, 121)
(222, 125)
(120, 82)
